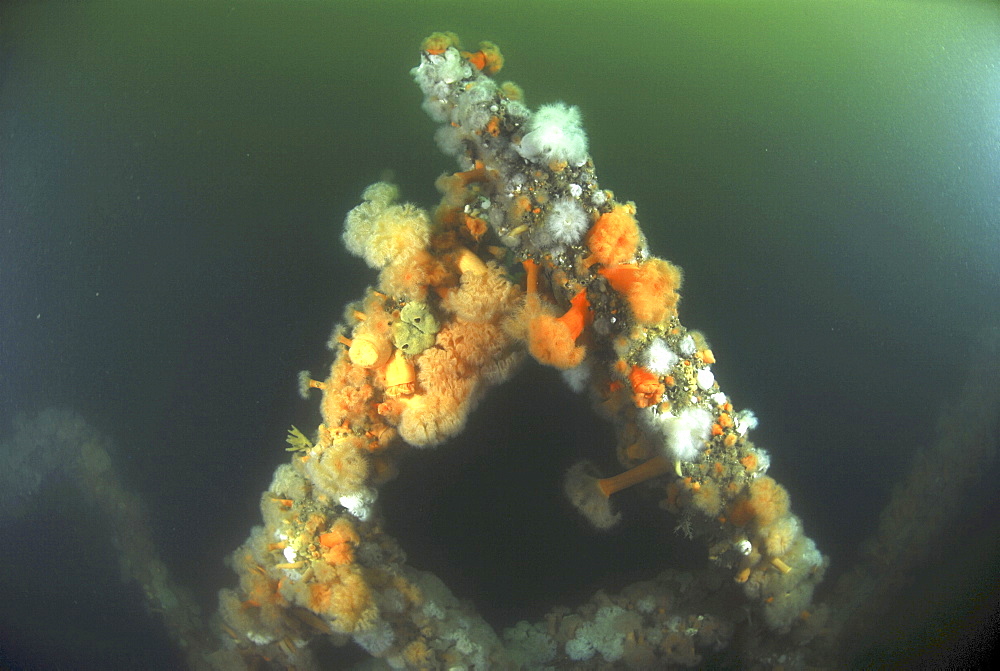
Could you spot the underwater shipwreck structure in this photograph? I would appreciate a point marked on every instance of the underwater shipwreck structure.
(451, 317)
(525, 256)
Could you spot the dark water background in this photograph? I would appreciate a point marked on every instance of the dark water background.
(173, 178)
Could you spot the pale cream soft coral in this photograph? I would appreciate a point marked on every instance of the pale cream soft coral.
(430, 419)
(473, 346)
(782, 535)
(410, 281)
(451, 377)
(482, 296)
(382, 232)
(340, 468)
(448, 388)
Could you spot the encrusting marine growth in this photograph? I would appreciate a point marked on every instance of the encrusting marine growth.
(448, 319)
(527, 255)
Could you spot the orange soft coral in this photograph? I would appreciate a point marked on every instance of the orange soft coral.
(338, 543)
(764, 503)
(707, 498)
(454, 187)
(343, 595)
(614, 237)
(649, 287)
(488, 58)
(347, 395)
(552, 340)
(769, 500)
(438, 43)
(261, 590)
